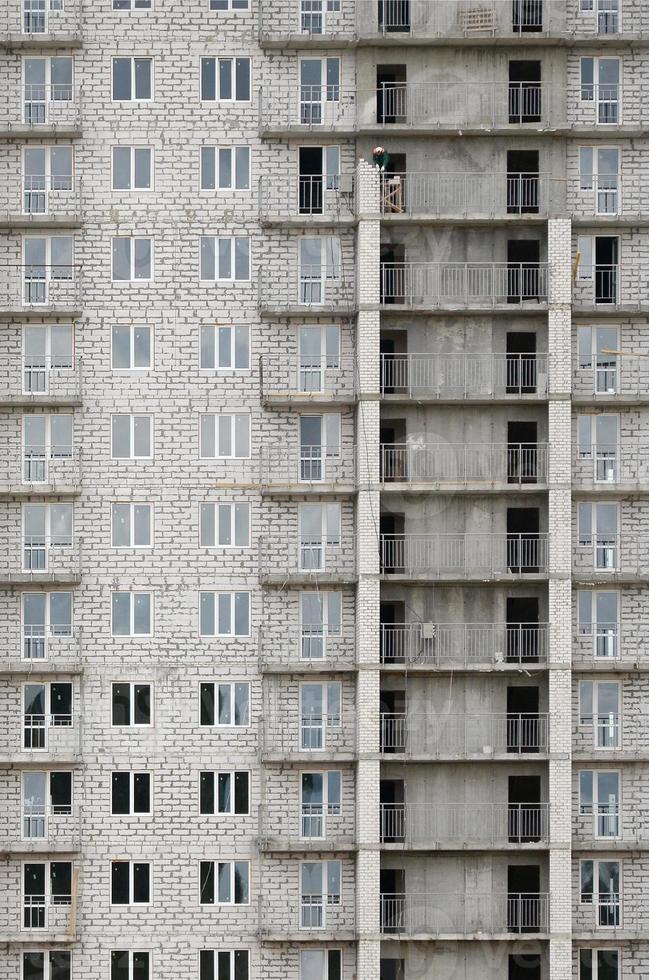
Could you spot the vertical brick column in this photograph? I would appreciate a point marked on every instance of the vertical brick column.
(368, 592)
(560, 596)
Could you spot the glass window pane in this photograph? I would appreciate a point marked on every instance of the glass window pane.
(208, 267)
(141, 347)
(141, 436)
(206, 793)
(208, 171)
(242, 435)
(207, 528)
(207, 614)
(241, 525)
(242, 168)
(208, 436)
(225, 871)
(225, 78)
(241, 882)
(242, 613)
(121, 610)
(208, 348)
(121, 259)
(225, 167)
(241, 348)
(143, 74)
(207, 704)
(143, 256)
(142, 177)
(225, 435)
(208, 79)
(224, 600)
(241, 708)
(121, 78)
(141, 792)
(121, 525)
(142, 612)
(121, 348)
(141, 525)
(121, 167)
(207, 882)
(61, 612)
(241, 258)
(225, 792)
(225, 347)
(142, 704)
(225, 704)
(225, 524)
(241, 792)
(225, 258)
(242, 71)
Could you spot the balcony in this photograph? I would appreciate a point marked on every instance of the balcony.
(42, 110)
(291, 826)
(468, 915)
(464, 825)
(307, 380)
(40, 739)
(307, 200)
(42, 830)
(464, 556)
(41, 289)
(40, 24)
(41, 201)
(464, 466)
(301, 469)
(304, 109)
(614, 468)
(306, 291)
(42, 649)
(41, 472)
(308, 918)
(455, 737)
(34, 380)
(426, 286)
(457, 197)
(461, 377)
(464, 646)
(611, 557)
(609, 645)
(604, 911)
(38, 919)
(306, 648)
(42, 559)
(609, 197)
(309, 737)
(283, 562)
(610, 377)
(609, 287)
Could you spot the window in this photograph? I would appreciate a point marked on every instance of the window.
(45, 615)
(321, 964)
(598, 964)
(224, 964)
(132, 79)
(225, 526)
(320, 795)
(319, 86)
(599, 173)
(319, 443)
(225, 348)
(126, 964)
(599, 706)
(47, 81)
(131, 613)
(47, 175)
(225, 168)
(47, 530)
(320, 618)
(599, 619)
(596, 347)
(45, 795)
(130, 793)
(131, 347)
(130, 883)
(48, 352)
(225, 882)
(598, 531)
(599, 797)
(319, 264)
(45, 884)
(320, 712)
(225, 705)
(132, 259)
(319, 527)
(132, 436)
(229, 5)
(600, 887)
(224, 792)
(225, 259)
(46, 439)
(132, 168)
(132, 4)
(225, 436)
(600, 83)
(45, 706)
(47, 262)
(225, 79)
(131, 703)
(132, 525)
(35, 15)
(55, 964)
(597, 437)
(224, 614)
(319, 891)
(319, 357)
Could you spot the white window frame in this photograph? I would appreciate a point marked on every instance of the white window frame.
(132, 593)
(132, 416)
(49, 545)
(133, 58)
(132, 327)
(232, 58)
(47, 101)
(234, 149)
(232, 239)
(132, 773)
(327, 808)
(131, 883)
(217, 416)
(326, 627)
(243, 6)
(328, 721)
(232, 724)
(215, 773)
(325, 965)
(46, 953)
(34, 365)
(594, 967)
(595, 99)
(216, 508)
(131, 953)
(592, 627)
(595, 895)
(135, 6)
(47, 452)
(215, 865)
(47, 812)
(132, 723)
(133, 147)
(47, 279)
(593, 720)
(329, 900)
(594, 188)
(216, 330)
(46, 625)
(232, 604)
(132, 504)
(132, 277)
(593, 809)
(47, 904)
(231, 953)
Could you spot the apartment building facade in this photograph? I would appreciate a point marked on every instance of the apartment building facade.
(323, 490)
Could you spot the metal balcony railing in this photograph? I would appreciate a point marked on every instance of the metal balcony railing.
(58, 644)
(450, 104)
(317, 735)
(308, 107)
(463, 644)
(308, 558)
(54, 377)
(610, 285)
(470, 194)
(308, 378)
(602, 465)
(56, 825)
(464, 376)
(306, 646)
(511, 464)
(307, 466)
(606, 730)
(602, 910)
(463, 735)
(611, 553)
(603, 820)
(296, 826)
(41, 286)
(439, 914)
(601, 642)
(608, 375)
(43, 195)
(56, 106)
(604, 195)
(309, 915)
(463, 555)
(463, 284)
(488, 824)
(306, 288)
(53, 913)
(40, 551)
(292, 195)
(60, 466)
(42, 557)
(41, 19)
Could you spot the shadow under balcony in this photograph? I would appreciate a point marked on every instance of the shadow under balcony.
(464, 826)
(433, 646)
(426, 287)
(497, 468)
(464, 557)
(457, 737)
(467, 915)
(487, 378)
